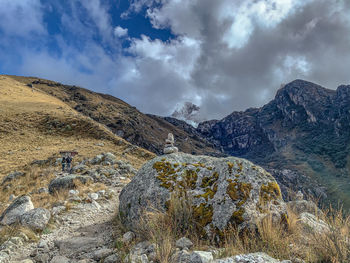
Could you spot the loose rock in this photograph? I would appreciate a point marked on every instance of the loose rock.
(184, 242)
(36, 219)
(18, 207)
(67, 182)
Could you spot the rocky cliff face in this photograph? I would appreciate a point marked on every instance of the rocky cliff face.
(305, 128)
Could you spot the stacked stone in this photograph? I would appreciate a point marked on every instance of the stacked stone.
(169, 145)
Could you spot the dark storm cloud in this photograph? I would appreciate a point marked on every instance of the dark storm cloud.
(302, 39)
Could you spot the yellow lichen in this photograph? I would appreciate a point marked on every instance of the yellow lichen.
(240, 167)
(268, 193)
(203, 214)
(237, 217)
(209, 181)
(230, 167)
(190, 178)
(239, 191)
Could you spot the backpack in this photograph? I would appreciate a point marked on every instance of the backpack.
(64, 160)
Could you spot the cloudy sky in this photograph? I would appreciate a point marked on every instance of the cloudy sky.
(223, 55)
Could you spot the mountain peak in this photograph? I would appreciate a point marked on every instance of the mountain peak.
(187, 112)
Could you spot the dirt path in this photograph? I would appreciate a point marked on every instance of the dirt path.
(81, 231)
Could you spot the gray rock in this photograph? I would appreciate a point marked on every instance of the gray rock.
(142, 248)
(12, 176)
(58, 209)
(73, 192)
(42, 258)
(201, 257)
(182, 256)
(43, 244)
(59, 259)
(18, 207)
(170, 150)
(12, 197)
(76, 245)
(112, 259)
(42, 190)
(4, 257)
(125, 168)
(249, 258)
(312, 224)
(301, 206)
(299, 196)
(101, 253)
(144, 258)
(93, 196)
(183, 242)
(79, 168)
(128, 237)
(97, 159)
(109, 158)
(224, 191)
(67, 182)
(36, 219)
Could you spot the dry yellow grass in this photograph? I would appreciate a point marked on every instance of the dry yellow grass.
(279, 241)
(36, 126)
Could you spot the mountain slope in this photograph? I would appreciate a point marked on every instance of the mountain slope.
(37, 126)
(305, 128)
(124, 120)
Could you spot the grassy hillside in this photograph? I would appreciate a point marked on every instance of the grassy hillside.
(148, 132)
(35, 126)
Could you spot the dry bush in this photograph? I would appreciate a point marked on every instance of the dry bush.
(334, 245)
(277, 240)
(15, 230)
(164, 227)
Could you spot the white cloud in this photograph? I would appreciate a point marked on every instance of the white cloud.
(21, 17)
(100, 16)
(120, 32)
(225, 55)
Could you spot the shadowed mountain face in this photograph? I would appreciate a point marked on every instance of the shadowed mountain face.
(306, 128)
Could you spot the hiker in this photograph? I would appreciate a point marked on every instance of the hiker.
(69, 161)
(63, 163)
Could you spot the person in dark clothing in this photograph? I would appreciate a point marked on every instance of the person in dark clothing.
(69, 161)
(63, 163)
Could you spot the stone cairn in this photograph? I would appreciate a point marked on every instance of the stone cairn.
(299, 196)
(169, 145)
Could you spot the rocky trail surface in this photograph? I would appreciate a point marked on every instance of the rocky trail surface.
(82, 234)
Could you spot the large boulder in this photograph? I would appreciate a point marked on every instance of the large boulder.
(67, 182)
(18, 207)
(223, 191)
(36, 219)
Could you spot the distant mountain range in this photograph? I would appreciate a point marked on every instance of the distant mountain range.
(305, 128)
(302, 136)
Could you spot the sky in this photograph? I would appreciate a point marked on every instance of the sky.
(223, 55)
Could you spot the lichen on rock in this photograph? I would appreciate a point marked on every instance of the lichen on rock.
(223, 191)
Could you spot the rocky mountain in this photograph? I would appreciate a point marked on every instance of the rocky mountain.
(146, 131)
(301, 136)
(305, 128)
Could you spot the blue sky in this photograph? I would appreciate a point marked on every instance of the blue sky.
(223, 55)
